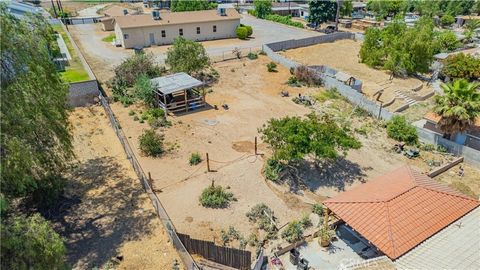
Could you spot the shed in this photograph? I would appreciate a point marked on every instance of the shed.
(178, 92)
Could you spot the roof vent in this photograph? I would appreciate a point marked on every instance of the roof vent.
(125, 11)
(156, 15)
(222, 12)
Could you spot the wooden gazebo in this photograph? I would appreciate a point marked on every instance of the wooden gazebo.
(178, 92)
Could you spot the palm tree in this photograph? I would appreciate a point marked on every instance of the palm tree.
(459, 107)
(470, 28)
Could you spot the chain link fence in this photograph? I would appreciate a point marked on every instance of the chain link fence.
(187, 260)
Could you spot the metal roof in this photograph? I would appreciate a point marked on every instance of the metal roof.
(399, 210)
(174, 83)
(455, 247)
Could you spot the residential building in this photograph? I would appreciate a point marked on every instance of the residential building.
(399, 210)
(162, 28)
(108, 23)
(470, 138)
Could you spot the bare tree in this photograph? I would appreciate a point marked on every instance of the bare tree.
(337, 16)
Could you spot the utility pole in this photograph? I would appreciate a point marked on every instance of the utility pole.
(337, 16)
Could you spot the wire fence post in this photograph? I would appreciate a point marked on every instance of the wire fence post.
(255, 145)
(208, 164)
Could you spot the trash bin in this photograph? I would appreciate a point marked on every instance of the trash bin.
(302, 264)
(294, 256)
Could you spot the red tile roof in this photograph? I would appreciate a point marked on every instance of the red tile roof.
(399, 210)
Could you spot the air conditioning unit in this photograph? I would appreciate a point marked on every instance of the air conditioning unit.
(156, 15)
(222, 12)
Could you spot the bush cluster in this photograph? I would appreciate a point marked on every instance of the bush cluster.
(216, 197)
(264, 217)
(195, 159)
(284, 20)
(272, 169)
(462, 66)
(252, 56)
(306, 75)
(155, 117)
(447, 20)
(244, 31)
(399, 129)
(151, 143)
(293, 232)
(272, 67)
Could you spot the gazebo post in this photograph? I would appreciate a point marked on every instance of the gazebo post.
(186, 101)
(325, 220)
(165, 102)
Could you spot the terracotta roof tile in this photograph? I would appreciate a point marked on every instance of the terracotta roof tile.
(399, 210)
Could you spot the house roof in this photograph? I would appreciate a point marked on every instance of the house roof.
(172, 18)
(435, 118)
(115, 11)
(378, 263)
(455, 247)
(174, 83)
(282, 6)
(400, 209)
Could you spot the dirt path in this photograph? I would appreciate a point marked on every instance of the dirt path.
(106, 213)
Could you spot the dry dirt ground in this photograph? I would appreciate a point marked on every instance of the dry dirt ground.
(107, 213)
(252, 94)
(343, 55)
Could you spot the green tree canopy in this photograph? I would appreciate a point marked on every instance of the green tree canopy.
(191, 5)
(30, 243)
(384, 8)
(400, 49)
(292, 138)
(35, 138)
(459, 107)
(187, 56)
(322, 11)
(346, 8)
(262, 8)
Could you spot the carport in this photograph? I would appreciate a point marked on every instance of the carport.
(178, 92)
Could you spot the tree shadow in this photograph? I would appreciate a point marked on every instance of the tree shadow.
(101, 209)
(338, 174)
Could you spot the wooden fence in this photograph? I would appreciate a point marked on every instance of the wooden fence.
(236, 258)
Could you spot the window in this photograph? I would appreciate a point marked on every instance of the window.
(198, 30)
(163, 33)
(125, 36)
(180, 32)
(214, 28)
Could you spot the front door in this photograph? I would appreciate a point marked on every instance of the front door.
(152, 39)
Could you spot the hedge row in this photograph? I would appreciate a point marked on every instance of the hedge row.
(284, 20)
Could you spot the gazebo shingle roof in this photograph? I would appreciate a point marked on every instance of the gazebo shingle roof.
(400, 209)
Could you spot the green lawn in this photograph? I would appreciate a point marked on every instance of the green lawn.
(75, 71)
(109, 38)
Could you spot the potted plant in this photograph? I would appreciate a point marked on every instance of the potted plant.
(324, 236)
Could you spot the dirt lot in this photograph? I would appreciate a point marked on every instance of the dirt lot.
(227, 135)
(343, 55)
(253, 97)
(107, 213)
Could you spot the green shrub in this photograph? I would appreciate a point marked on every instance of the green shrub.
(293, 81)
(264, 217)
(272, 169)
(447, 41)
(317, 209)
(331, 93)
(447, 20)
(249, 30)
(305, 221)
(195, 159)
(155, 117)
(252, 56)
(399, 129)
(109, 38)
(284, 20)
(215, 197)
(462, 66)
(131, 112)
(242, 32)
(293, 232)
(48, 191)
(272, 67)
(135, 118)
(151, 143)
